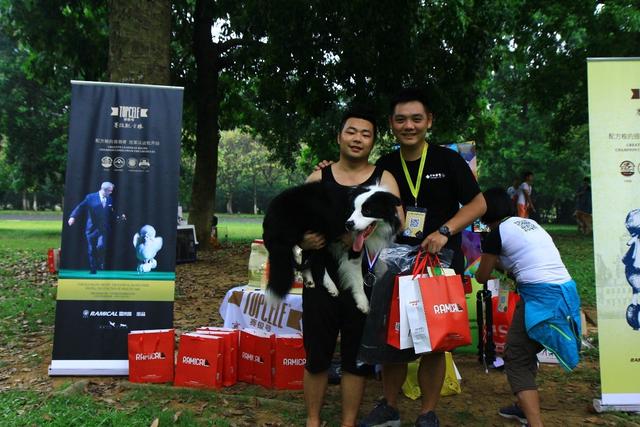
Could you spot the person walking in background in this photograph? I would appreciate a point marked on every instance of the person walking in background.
(100, 215)
(583, 207)
(512, 191)
(548, 313)
(525, 204)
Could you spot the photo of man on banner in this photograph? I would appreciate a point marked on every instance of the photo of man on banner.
(100, 214)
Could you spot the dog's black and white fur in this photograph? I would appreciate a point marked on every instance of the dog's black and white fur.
(310, 207)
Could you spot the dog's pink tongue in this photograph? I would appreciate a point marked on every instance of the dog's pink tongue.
(358, 242)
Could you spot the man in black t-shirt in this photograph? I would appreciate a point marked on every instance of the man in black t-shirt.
(434, 181)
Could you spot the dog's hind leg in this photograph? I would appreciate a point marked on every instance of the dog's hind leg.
(350, 271)
(360, 298)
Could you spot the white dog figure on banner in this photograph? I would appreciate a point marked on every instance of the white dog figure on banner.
(631, 262)
(147, 245)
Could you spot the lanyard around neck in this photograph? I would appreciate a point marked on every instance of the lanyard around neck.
(415, 188)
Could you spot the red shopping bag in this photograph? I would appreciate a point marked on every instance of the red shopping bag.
(396, 314)
(289, 360)
(231, 338)
(151, 355)
(199, 361)
(256, 357)
(445, 308)
(502, 319)
(393, 325)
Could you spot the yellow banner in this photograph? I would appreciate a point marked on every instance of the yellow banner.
(115, 290)
(614, 133)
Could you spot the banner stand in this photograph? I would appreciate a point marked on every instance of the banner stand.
(89, 367)
(614, 144)
(118, 251)
(599, 407)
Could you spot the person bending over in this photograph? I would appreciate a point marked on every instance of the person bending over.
(548, 313)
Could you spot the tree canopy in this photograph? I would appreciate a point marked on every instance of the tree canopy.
(509, 74)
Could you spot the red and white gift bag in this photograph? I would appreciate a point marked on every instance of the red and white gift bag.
(255, 360)
(151, 355)
(231, 339)
(289, 361)
(502, 317)
(199, 361)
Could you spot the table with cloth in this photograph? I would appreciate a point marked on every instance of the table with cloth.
(246, 307)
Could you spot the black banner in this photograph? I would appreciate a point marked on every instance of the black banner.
(119, 227)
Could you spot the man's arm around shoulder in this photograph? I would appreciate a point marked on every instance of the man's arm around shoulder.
(315, 176)
(388, 181)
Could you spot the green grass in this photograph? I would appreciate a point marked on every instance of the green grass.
(86, 410)
(577, 254)
(47, 213)
(30, 235)
(26, 299)
(236, 230)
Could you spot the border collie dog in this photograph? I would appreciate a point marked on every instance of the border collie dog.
(372, 217)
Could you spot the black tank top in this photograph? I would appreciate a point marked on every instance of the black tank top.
(342, 193)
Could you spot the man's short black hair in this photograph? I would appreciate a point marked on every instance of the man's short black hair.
(499, 205)
(407, 95)
(526, 174)
(359, 113)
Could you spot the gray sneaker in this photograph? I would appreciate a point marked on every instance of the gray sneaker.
(382, 415)
(513, 412)
(430, 419)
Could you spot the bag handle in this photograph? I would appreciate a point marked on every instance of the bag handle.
(420, 265)
(141, 342)
(434, 262)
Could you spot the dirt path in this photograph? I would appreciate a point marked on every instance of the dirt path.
(566, 399)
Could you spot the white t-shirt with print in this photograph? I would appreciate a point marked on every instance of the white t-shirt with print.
(527, 251)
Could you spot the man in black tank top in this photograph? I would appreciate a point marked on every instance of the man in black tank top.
(324, 316)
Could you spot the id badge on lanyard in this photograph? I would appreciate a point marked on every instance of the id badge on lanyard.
(416, 215)
(415, 219)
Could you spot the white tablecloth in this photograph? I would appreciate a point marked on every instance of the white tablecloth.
(245, 307)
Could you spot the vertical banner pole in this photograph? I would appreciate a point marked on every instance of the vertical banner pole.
(117, 267)
(614, 140)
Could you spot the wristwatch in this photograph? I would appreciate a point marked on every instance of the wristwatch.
(444, 230)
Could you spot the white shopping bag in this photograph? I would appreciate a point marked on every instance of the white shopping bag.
(410, 300)
(416, 332)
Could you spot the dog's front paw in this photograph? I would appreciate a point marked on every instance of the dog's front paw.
(362, 303)
(331, 287)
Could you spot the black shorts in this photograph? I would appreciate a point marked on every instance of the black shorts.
(323, 317)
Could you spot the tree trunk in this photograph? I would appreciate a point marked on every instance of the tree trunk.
(203, 190)
(230, 204)
(255, 196)
(25, 201)
(34, 205)
(139, 41)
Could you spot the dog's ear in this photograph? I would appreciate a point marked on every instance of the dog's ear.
(391, 198)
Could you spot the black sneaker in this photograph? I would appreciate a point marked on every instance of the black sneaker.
(513, 412)
(382, 415)
(430, 419)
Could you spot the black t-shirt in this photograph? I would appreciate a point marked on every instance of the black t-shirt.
(492, 242)
(447, 182)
